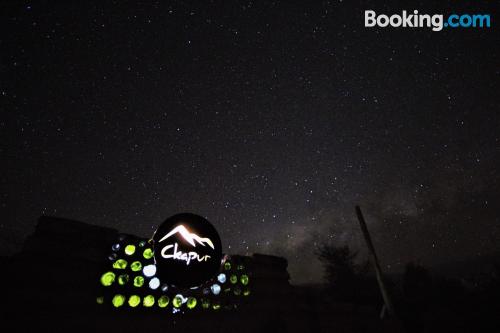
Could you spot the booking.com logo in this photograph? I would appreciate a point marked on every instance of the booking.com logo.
(437, 21)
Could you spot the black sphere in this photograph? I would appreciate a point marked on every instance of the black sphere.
(187, 250)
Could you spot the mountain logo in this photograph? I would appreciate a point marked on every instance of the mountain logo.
(189, 237)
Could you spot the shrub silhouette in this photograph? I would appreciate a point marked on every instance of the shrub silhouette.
(343, 275)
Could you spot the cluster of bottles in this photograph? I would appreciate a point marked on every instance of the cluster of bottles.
(132, 282)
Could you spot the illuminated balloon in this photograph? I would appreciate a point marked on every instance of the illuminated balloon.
(138, 281)
(215, 288)
(134, 301)
(191, 303)
(149, 270)
(221, 278)
(107, 279)
(120, 264)
(129, 249)
(154, 283)
(148, 253)
(118, 300)
(123, 279)
(244, 279)
(136, 266)
(148, 301)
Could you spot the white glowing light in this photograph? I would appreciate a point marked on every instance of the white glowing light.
(221, 278)
(149, 270)
(215, 289)
(189, 237)
(154, 283)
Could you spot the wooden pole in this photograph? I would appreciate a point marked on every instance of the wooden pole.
(374, 260)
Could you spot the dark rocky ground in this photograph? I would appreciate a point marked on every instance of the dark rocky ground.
(52, 284)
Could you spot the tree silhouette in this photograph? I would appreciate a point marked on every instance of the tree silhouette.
(417, 283)
(342, 273)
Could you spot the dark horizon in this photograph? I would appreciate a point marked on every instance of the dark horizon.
(271, 120)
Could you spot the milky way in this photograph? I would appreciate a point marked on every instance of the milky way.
(271, 120)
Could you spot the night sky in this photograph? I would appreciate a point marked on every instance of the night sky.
(271, 119)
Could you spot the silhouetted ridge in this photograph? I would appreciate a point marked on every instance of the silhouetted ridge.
(52, 284)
